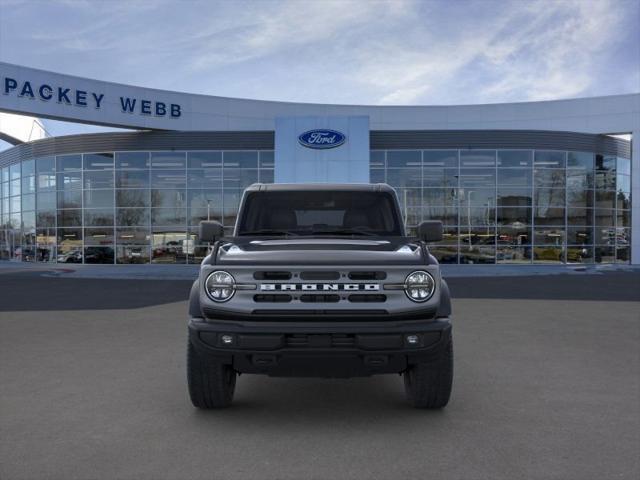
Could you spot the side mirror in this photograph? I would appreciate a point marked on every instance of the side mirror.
(430, 231)
(210, 231)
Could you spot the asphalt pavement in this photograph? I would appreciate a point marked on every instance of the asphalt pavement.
(547, 386)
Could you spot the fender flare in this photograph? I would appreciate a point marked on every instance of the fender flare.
(444, 309)
(194, 300)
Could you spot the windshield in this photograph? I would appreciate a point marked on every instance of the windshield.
(359, 213)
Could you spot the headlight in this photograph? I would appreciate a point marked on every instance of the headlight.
(220, 286)
(419, 286)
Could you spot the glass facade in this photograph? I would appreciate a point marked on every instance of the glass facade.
(122, 207)
(497, 206)
(515, 206)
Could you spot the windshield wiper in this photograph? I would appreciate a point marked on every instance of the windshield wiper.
(268, 231)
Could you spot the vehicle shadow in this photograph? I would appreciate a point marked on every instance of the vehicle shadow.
(281, 403)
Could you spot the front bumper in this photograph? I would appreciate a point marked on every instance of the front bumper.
(320, 349)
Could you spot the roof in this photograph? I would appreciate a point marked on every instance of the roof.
(319, 187)
(608, 114)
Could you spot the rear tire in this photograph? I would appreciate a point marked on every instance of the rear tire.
(428, 385)
(211, 383)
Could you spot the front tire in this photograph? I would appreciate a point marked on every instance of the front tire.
(428, 385)
(211, 383)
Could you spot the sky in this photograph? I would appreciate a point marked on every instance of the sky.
(395, 52)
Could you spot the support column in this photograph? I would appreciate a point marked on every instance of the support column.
(635, 197)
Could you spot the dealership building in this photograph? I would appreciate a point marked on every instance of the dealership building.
(515, 183)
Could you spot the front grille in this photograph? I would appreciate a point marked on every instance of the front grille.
(319, 275)
(373, 275)
(320, 341)
(324, 288)
(272, 275)
(319, 298)
(360, 298)
(271, 298)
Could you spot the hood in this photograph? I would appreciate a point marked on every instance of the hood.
(319, 251)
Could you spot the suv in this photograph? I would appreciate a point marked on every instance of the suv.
(319, 280)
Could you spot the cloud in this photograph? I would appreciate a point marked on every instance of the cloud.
(337, 51)
(554, 54)
(292, 24)
(540, 51)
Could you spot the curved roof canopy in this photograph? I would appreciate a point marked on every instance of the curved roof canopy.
(44, 94)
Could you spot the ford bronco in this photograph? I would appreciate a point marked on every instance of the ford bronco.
(319, 280)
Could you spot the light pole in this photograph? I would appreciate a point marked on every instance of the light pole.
(404, 201)
(487, 214)
(469, 217)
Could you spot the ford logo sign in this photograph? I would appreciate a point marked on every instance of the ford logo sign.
(322, 138)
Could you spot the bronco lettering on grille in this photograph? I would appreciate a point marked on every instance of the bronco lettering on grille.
(323, 287)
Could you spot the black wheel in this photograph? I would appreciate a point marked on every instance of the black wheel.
(428, 385)
(211, 383)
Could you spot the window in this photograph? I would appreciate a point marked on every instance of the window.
(169, 198)
(169, 216)
(97, 161)
(582, 160)
(46, 201)
(267, 176)
(69, 162)
(205, 178)
(29, 202)
(240, 160)
(238, 177)
(377, 159)
(437, 177)
(132, 179)
(169, 160)
(168, 179)
(70, 218)
(318, 212)
(98, 199)
(439, 196)
(477, 177)
(267, 159)
(514, 176)
(514, 158)
(70, 180)
(132, 217)
(549, 159)
(514, 216)
(514, 196)
(132, 198)
(98, 179)
(67, 199)
(95, 217)
(440, 159)
(546, 177)
(477, 158)
(204, 160)
(43, 165)
(28, 168)
(28, 184)
(404, 159)
(132, 160)
(404, 177)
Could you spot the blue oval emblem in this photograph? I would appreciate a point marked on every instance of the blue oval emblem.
(322, 138)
